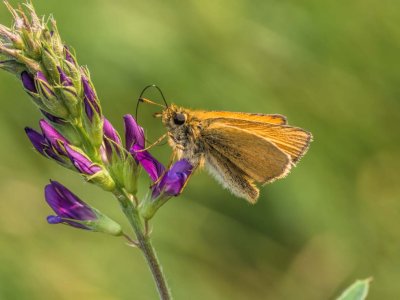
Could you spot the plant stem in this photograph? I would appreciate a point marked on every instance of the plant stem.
(144, 244)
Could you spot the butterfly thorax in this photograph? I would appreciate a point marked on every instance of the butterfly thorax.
(184, 131)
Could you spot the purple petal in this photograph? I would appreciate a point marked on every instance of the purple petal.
(174, 180)
(38, 141)
(42, 145)
(52, 118)
(181, 166)
(151, 165)
(112, 140)
(28, 82)
(68, 55)
(44, 84)
(58, 220)
(54, 220)
(90, 99)
(81, 162)
(53, 136)
(40, 76)
(110, 132)
(134, 134)
(65, 81)
(66, 204)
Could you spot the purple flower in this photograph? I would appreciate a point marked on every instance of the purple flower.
(81, 162)
(28, 82)
(67, 206)
(134, 134)
(42, 145)
(167, 183)
(90, 99)
(173, 181)
(72, 211)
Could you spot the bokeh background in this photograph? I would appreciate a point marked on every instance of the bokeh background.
(330, 66)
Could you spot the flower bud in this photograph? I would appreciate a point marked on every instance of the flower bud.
(112, 141)
(51, 103)
(72, 211)
(31, 45)
(30, 87)
(56, 42)
(69, 56)
(94, 119)
(69, 94)
(43, 146)
(134, 134)
(91, 101)
(50, 64)
(28, 82)
(130, 175)
(72, 69)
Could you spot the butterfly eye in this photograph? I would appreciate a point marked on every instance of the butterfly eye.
(179, 119)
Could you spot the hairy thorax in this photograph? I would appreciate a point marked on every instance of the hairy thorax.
(184, 139)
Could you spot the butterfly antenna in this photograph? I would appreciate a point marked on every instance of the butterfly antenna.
(141, 99)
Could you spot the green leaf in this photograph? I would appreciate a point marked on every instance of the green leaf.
(357, 291)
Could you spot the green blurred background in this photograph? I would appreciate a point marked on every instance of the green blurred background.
(330, 66)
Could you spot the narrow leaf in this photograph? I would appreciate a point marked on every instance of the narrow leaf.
(357, 291)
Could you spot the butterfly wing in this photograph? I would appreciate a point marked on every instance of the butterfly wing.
(251, 117)
(230, 175)
(294, 141)
(257, 157)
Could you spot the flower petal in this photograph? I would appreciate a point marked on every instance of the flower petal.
(172, 183)
(66, 204)
(28, 82)
(151, 165)
(134, 134)
(90, 99)
(81, 162)
(38, 141)
(68, 56)
(54, 220)
(65, 81)
(110, 132)
(53, 136)
(112, 141)
(52, 118)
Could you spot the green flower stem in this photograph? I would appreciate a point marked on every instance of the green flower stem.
(87, 145)
(144, 243)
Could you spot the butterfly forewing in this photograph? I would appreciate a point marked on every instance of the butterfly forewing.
(251, 117)
(293, 141)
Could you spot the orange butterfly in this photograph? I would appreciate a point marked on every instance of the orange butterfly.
(238, 149)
